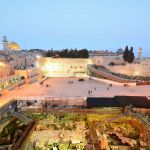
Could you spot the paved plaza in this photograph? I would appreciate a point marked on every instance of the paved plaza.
(71, 87)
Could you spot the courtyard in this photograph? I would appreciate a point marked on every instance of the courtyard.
(71, 87)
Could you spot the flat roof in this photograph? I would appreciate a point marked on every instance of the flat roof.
(118, 101)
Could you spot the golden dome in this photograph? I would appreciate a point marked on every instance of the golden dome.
(14, 46)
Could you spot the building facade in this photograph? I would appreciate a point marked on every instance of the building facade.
(104, 57)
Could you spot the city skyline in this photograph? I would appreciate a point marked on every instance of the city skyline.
(86, 24)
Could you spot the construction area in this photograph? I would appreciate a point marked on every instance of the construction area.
(120, 122)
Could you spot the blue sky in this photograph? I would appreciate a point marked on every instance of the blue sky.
(92, 24)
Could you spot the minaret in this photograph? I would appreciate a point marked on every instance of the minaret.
(140, 54)
(5, 43)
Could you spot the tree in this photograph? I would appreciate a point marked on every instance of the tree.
(49, 53)
(83, 53)
(66, 53)
(131, 55)
(125, 54)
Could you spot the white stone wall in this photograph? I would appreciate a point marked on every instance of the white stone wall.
(142, 69)
(63, 67)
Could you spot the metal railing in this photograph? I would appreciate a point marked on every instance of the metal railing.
(12, 104)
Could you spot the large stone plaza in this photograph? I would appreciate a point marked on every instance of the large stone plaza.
(62, 87)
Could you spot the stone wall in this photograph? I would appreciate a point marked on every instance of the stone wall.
(130, 69)
(28, 73)
(63, 67)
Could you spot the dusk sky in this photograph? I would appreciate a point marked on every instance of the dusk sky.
(91, 24)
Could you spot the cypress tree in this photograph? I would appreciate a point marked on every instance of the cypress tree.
(125, 54)
(131, 55)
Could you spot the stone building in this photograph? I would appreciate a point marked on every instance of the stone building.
(12, 58)
(104, 57)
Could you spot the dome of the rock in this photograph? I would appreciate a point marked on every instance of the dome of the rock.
(14, 46)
